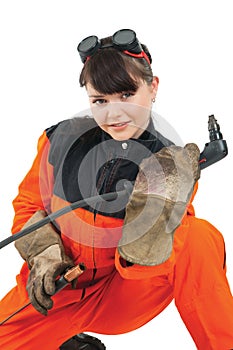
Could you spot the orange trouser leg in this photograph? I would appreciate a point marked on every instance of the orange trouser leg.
(29, 329)
(202, 294)
(112, 306)
(116, 305)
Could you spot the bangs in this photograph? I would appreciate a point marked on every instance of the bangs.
(110, 71)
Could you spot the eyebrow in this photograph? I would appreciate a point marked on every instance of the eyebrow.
(96, 96)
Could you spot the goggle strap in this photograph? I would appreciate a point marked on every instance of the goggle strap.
(138, 55)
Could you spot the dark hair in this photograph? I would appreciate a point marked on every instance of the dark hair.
(110, 71)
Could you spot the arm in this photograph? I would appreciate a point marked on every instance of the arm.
(35, 189)
(42, 249)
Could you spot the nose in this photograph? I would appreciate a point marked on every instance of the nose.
(113, 110)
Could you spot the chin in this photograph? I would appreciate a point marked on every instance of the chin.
(122, 137)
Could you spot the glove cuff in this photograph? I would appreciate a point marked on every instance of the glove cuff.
(39, 240)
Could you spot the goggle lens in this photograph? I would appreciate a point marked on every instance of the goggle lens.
(88, 46)
(124, 37)
(124, 40)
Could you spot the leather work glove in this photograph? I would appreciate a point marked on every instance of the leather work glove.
(44, 253)
(161, 192)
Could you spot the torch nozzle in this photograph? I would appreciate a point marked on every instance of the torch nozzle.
(214, 129)
(216, 149)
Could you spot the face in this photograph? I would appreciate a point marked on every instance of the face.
(123, 115)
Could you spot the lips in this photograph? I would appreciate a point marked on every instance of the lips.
(118, 125)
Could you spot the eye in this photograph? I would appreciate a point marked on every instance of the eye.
(126, 95)
(99, 101)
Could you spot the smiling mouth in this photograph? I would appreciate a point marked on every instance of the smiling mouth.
(118, 125)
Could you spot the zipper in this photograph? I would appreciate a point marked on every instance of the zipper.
(106, 171)
(100, 188)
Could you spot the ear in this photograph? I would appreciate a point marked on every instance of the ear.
(154, 85)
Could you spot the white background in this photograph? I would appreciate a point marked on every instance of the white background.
(191, 46)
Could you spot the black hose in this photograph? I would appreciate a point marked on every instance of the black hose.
(50, 218)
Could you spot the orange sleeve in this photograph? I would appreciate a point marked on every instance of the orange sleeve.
(35, 190)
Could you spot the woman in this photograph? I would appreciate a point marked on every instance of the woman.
(128, 279)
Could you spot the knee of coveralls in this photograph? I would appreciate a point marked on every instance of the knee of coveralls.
(140, 272)
(201, 290)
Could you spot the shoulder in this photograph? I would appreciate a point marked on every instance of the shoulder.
(66, 133)
(74, 126)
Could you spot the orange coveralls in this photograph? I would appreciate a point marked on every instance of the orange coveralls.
(111, 297)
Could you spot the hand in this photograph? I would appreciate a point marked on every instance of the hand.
(44, 253)
(162, 190)
(46, 267)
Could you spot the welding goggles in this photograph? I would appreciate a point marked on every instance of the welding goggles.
(124, 40)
